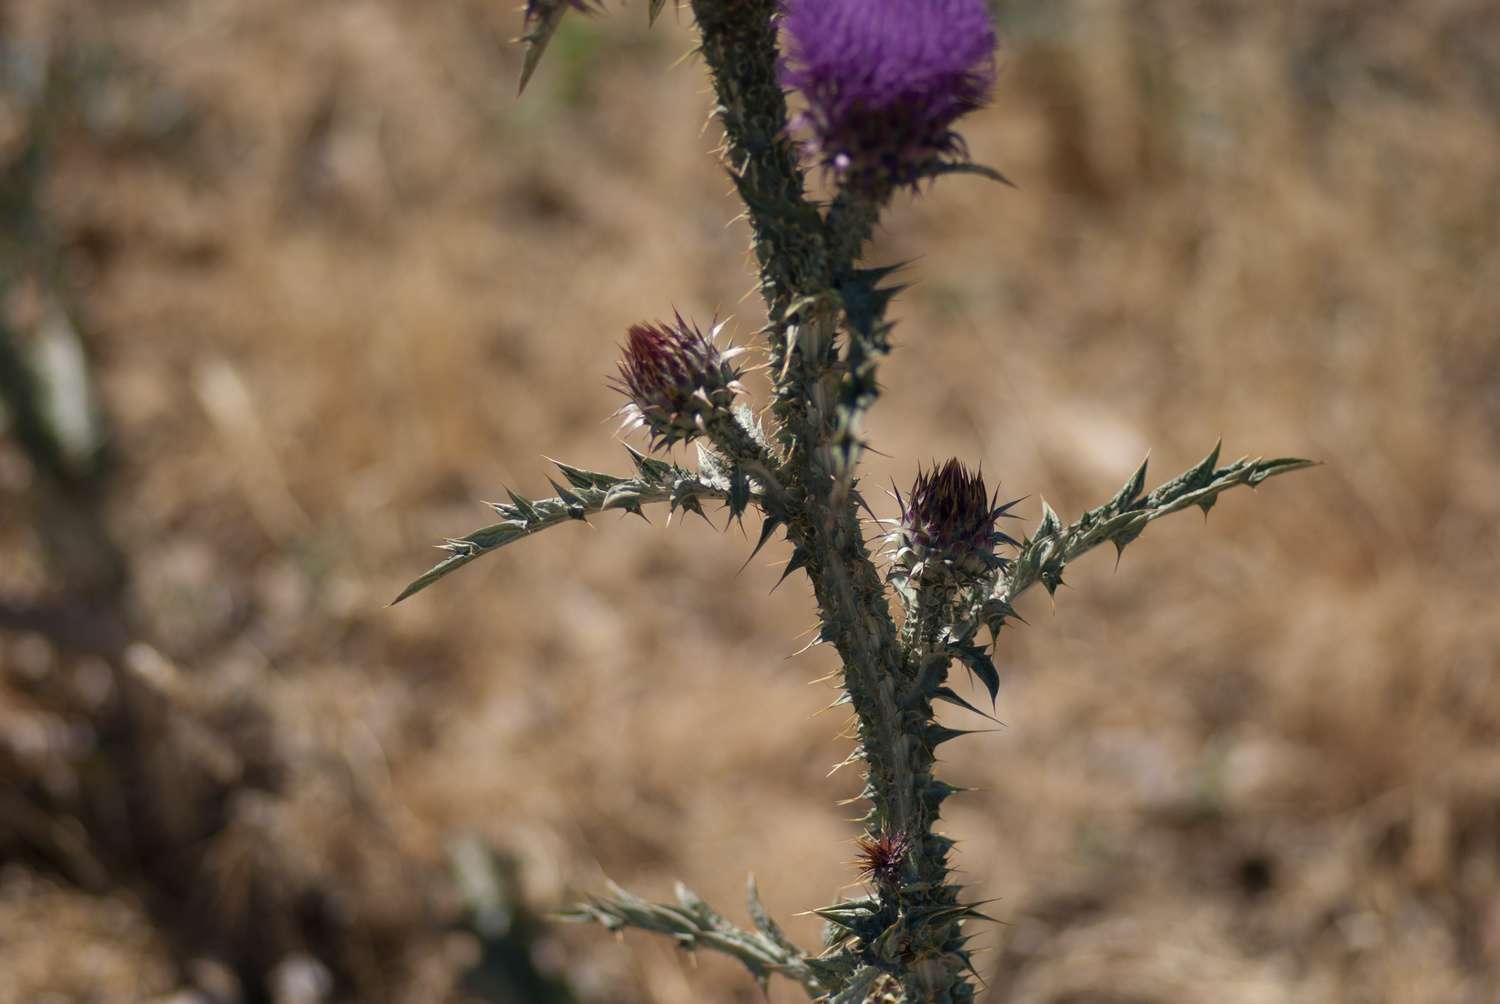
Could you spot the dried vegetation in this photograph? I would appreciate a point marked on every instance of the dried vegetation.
(335, 280)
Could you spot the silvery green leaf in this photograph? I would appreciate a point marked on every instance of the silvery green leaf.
(1049, 523)
(1043, 557)
(858, 986)
(762, 920)
(523, 506)
(711, 467)
(1132, 490)
(580, 478)
(525, 517)
(694, 924)
(650, 468)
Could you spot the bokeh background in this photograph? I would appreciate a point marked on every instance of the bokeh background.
(331, 285)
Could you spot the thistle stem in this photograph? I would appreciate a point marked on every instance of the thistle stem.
(793, 245)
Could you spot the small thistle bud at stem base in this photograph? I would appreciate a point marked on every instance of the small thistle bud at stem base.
(676, 378)
(882, 858)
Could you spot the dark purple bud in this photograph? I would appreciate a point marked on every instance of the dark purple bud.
(885, 80)
(948, 521)
(675, 377)
(881, 858)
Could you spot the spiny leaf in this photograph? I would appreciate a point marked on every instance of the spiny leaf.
(523, 506)
(940, 791)
(1270, 468)
(541, 21)
(462, 551)
(623, 496)
(582, 479)
(958, 911)
(569, 498)
(1049, 524)
(693, 924)
(979, 663)
(1132, 490)
(684, 496)
(1123, 537)
(859, 986)
(525, 517)
(936, 734)
(888, 944)
(994, 613)
(966, 167)
(1193, 478)
(851, 914)
(768, 526)
(1044, 556)
(738, 498)
(650, 468)
(837, 970)
(798, 560)
(711, 467)
(865, 301)
(695, 905)
(949, 695)
(762, 920)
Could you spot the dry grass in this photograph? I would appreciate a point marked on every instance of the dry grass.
(362, 288)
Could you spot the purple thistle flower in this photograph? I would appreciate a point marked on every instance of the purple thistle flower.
(948, 525)
(885, 80)
(675, 377)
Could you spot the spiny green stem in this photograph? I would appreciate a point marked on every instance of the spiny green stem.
(925, 619)
(738, 42)
(799, 276)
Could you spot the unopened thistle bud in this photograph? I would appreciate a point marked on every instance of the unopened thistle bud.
(676, 378)
(948, 525)
(885, 80)
(881, 858)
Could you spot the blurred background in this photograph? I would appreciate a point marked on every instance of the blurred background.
(301, 282)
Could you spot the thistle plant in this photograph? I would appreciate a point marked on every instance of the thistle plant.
(884, 83)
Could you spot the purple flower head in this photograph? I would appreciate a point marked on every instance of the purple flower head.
(885, 80)
(675, 377)
(948, 525)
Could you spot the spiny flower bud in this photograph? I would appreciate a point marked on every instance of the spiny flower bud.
(880, 858)
(675, 378)
(885, 80)
(948, 523)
